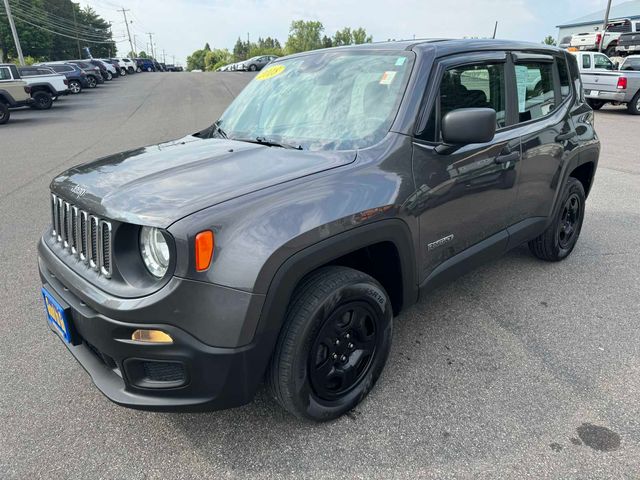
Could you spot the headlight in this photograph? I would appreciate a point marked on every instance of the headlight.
(155, 251)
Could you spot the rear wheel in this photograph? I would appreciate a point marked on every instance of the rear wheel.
(109, 76)
(595, 104)
(75, 87)
(4, 113)
(139, 70)
(333, 345)
(43, 100)
(634, 105)
(123, 71)
(93, 83)
(558, 240)
(610, 51)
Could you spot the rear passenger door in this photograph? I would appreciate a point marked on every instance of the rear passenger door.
(547, 132)
(465, 196)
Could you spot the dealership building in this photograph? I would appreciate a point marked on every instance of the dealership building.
(588, 23)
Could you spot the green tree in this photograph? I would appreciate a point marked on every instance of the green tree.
(216, 58)
(360, 36)
(327, 42)
(549, 40)
(343, 37)
(142, 54)
(240, 50)
(304, 36)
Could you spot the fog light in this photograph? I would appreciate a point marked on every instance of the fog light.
(151, 336)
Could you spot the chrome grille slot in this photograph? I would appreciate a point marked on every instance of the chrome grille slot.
(74, 230)
(93, 242)
(84, 223)
(105, 248)
(83, 235)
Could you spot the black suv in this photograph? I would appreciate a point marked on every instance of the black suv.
(279, 243)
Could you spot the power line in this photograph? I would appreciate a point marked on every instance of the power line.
(58, 21)
(60, 34)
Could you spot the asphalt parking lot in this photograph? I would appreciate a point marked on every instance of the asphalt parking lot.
(521, 369)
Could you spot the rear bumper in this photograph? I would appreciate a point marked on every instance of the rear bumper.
(606, 96)
(185, 375)
(628, 48)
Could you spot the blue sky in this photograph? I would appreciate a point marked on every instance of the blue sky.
(183, 26)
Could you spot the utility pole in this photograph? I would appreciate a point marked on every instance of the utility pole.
(151, 45)
(14, 32)
(75, 23)
(495, 29)
(164, 57)
(124, 13)
(604, 26)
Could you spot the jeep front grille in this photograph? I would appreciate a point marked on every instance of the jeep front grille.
(83, 235)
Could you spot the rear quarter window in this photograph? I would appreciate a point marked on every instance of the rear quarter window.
(565, 81)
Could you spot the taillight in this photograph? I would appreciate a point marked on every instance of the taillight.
(204, 250)
(27, 89)
(622, 83)
(598, 38)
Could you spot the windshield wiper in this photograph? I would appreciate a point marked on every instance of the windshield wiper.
(217, 129)
(269, 143)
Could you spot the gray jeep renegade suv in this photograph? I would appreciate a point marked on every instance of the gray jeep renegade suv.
(279, 243)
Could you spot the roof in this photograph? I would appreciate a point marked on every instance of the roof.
(630, 9)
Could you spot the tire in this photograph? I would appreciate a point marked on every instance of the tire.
(130, 70)
(43, 100)
(559, 239)
(123, 72)
(93, 83)
(610, 50)
(75, 87)
(109, 76)
(252, 68)
(633, 106)
(5, 114)
(138, 70)
(333, 345)
(149, 69)
(595, 104)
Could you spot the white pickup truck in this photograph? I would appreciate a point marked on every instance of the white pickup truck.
(45, 85)
(590, 41)
(604, 83)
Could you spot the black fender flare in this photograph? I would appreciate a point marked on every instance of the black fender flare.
(6, 98)
(49, 88)
(290, 272)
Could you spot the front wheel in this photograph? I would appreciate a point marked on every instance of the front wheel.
(634, 105)
(558, 240)
(138, 70)
(93, 83)
(252, 68)
(123, 72)
(4, 113)
(109, 76)
(334, 344)
(42, 100)
(595, 104)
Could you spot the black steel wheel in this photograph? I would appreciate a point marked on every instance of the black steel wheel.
(333, 345)
(42, 100)
(560, 237)
(4, 113)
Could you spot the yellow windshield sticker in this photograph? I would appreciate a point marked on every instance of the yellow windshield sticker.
(270, 72)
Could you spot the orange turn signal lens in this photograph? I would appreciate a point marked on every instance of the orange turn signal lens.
(151, 336)
(204, 250)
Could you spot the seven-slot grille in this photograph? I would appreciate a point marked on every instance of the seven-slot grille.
(84, 235)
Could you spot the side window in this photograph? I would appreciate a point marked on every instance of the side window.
(5, 74)
(536, 95)
(468, 86)
(601, 62)
(565, 83)
(586, 61)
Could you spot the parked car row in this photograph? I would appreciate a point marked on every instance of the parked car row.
(252, 64)
(38, 86)
(619, 38)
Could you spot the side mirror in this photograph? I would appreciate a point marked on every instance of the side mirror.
(468, 125)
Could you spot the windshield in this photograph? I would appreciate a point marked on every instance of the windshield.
(333, 100)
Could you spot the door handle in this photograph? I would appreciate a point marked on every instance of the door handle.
(509, 157)
(566, 136)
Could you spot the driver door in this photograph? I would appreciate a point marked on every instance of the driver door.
(466, 196)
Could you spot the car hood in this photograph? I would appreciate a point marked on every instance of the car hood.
(160, 184)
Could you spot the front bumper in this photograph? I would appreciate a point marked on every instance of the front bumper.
(185, 375)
